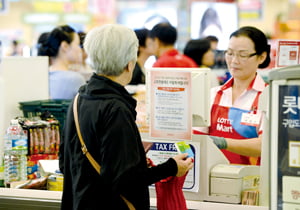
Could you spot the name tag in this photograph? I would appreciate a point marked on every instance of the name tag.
(251, 119)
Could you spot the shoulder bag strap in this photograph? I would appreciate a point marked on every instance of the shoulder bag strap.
(86, 152)
(83, 146)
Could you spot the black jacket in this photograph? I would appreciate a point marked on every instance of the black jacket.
(107, 119)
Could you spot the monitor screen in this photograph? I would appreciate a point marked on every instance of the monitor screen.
(217, 19)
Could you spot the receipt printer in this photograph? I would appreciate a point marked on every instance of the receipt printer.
(228, 181)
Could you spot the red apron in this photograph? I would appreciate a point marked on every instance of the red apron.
(226, 122)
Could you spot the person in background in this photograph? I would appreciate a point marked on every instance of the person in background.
(164, 37)
(236, 121)
(63, 49)
(84, 67)
(15, 49)
(201, 52)
(219, 54)
(106, 115)
(144, 52)
(214, 41)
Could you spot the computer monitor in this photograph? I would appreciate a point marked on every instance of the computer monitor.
(201, 84)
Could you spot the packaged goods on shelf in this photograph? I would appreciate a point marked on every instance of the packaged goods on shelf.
(32, 164)
(38, 184)
(43, 136)
(45, 108)
(55, 182)
(48, 167)
(43, 143)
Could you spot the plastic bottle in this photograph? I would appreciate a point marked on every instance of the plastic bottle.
(15, 153)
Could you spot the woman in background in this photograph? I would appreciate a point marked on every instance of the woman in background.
(144, 52)
(63, 48)
(201, 52)
(236, 120)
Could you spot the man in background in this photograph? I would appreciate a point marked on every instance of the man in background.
(164, 37)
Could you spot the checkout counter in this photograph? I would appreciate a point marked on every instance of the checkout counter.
(219, 185)
(50, 200)
(216, 176)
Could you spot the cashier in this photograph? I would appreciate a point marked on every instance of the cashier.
(236, 121)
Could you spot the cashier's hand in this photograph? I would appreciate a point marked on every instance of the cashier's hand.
(184, 164)
(220, 142)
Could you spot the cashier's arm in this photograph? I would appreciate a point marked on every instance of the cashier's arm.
(248, 147)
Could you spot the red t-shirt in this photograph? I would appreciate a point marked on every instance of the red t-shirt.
(173, 58)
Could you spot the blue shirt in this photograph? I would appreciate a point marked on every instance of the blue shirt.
(64, 84)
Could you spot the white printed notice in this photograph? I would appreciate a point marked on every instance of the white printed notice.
(287, 53)
(170, 104)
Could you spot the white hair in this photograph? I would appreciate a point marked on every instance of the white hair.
(110, 48)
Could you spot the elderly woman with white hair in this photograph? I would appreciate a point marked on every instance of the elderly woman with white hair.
(106, 116)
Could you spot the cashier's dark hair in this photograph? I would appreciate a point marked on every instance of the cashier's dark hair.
(50, 47)
(259, 39)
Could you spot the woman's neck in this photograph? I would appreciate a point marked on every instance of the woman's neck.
(239, 86)
(121, 79)
(58, 64)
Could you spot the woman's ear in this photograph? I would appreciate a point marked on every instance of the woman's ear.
(64, 45)
(262, 57)
(131, 66)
